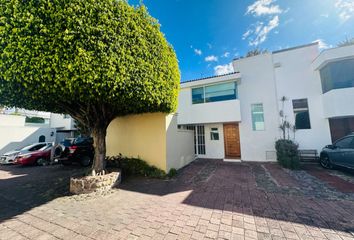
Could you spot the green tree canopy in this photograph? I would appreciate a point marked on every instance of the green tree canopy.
(92, 59)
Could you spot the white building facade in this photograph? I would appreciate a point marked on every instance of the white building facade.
(16, 132)
(236, 116)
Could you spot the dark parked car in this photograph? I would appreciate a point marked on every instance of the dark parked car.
(38, 157)
(78, 150)
(341, 153)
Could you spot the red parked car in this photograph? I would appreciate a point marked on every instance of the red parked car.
(39, 157)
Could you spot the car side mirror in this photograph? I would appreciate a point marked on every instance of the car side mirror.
(331, 146)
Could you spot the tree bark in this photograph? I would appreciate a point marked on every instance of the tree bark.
(99, 138)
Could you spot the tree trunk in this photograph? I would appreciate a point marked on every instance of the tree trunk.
(99, 138)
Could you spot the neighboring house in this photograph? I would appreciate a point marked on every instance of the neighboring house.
(17, 130)
(65, 126)
(236, 116)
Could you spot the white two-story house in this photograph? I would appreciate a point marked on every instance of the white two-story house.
(236, 116)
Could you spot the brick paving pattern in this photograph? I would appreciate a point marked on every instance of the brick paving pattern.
(207, 200)
(333, 180)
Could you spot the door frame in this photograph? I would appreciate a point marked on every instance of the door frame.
(238, 127)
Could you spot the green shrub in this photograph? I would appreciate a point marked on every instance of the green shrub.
(172, 173)
(135, 166)
(34, 120)
(287, 154)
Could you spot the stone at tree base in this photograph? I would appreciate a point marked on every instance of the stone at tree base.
(89, 184)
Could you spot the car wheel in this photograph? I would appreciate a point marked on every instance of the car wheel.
(41, 162)
(58, 150)
(325, 162)
(85, 161)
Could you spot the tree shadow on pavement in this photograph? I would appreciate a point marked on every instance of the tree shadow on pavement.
(23, 188)
(248, 188)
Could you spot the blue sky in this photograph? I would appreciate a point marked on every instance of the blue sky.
(208, 34)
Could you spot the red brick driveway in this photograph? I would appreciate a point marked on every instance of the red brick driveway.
(208, 200)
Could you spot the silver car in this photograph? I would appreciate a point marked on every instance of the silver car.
(9, 157)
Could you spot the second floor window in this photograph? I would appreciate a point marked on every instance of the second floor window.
(339, 74)
(214, 93)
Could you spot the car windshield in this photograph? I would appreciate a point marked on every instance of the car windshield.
(33, 147)
(83, 140)
(28, 147)
(67, 142)
(46, 147)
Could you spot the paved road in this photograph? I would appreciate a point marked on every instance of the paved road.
(208, 200)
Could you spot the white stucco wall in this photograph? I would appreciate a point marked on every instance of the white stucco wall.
(214, 148)
(257, 86)
(339, 103)
(12, 120)
(179, 144)
(12, 138)
(214, 112)
(332, 54)
(58, 121)
(295, 79)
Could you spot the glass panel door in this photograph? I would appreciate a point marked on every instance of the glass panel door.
(200, 140)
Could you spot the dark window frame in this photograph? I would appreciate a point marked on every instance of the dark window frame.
(337, 75)
(214, 134)
(301, 112)
(204, 99)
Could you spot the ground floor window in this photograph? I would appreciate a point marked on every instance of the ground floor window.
(301, 114)
(214, 134)
(257, 117)
(341, 127)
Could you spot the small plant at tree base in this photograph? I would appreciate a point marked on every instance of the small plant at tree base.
(172, 173)
(93, 59)
(135, 166)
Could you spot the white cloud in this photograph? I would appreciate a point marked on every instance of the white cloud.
(269, 13)
(223, 69)
(346, 9)
(264, 7)
(321, 44)
(247, 34)
(198, 51)
(226, 54)
(211, 58)
(259, 31)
